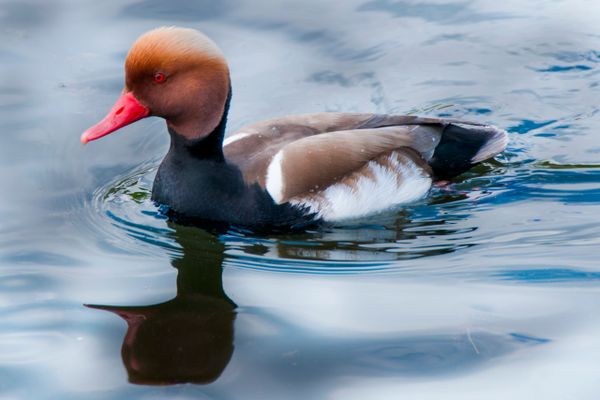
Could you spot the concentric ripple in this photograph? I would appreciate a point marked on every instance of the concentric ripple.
(124, 215)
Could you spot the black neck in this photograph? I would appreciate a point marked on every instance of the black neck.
(210, 147)
(198, 185)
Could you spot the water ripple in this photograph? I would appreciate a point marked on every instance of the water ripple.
(438, 225)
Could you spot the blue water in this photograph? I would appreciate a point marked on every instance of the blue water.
(488, 288)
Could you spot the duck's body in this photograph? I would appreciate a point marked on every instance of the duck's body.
(330, 166)
(288, 171)
(205, 187)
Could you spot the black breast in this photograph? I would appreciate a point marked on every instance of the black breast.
(202, 191)
(199, 187)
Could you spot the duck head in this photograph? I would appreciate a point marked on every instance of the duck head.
(175, 73)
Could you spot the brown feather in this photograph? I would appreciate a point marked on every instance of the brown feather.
(316, 162)
(396, 162)
(321, 148)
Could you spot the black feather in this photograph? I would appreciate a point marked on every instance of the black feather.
(456, 150)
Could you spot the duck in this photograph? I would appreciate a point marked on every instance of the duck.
(285, 172)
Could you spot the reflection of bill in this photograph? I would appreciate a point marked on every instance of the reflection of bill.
(188, 338)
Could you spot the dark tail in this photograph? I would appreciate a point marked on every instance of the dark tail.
(463, 146)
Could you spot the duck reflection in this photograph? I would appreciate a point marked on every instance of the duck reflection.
(188, 338)
(406, 234)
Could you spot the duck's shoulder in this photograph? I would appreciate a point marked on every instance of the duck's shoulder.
(288, 128)
(252, 147)
(265, 138)
(316, 149)
(310, 124)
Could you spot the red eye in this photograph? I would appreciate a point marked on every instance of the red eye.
(159, 77)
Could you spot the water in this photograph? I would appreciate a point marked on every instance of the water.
(486, 289)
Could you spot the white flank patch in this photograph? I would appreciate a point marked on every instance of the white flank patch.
(234, 138)
(274, 183)
(371, 195)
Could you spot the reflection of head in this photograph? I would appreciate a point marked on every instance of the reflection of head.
(189, 338)
(183, 340)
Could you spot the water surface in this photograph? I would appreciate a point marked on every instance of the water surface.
(488, 288)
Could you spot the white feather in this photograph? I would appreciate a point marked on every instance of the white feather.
(371, 195)
(274, 181)
(234, 138)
